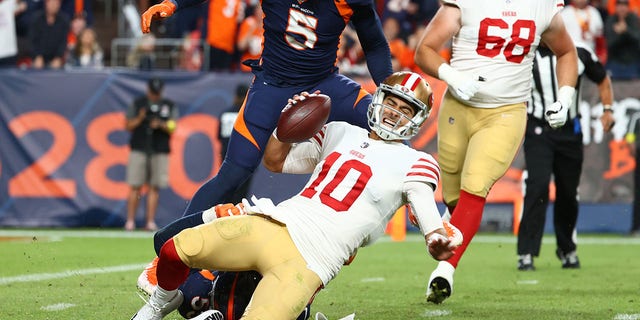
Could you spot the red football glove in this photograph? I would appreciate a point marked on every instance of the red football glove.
(161, 10)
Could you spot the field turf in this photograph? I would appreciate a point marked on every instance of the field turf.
(91, 274)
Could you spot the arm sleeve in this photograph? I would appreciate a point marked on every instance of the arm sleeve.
(181, 4)
(374, 43)
(302, 158)
(423, 204)
(425, 169)
(593, 69)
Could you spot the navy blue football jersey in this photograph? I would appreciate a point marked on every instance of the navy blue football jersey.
(301, 38)
(311, 29)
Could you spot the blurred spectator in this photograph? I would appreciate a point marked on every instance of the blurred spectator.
(191, 52)
(402, 11)
(27, 13)
(48, 36)
(350, 53)
(622, 31)
(227, 120)
(78, 23)
(87, 52)
(601, 6)
(78, 8)
(425, 10)
(221, 28)
(8, 38)
(151, 119)
(401, 56)
(143, 56)
(583, 22)
(634, 6)
(250, 36)
(414, 38)
(185, 21)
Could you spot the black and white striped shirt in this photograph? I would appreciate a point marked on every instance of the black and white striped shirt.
(544, 88)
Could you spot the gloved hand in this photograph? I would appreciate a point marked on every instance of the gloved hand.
(228, 209)
(558, 111)
(161, 10)
(439, 246)
(454, 234)
(461, 84)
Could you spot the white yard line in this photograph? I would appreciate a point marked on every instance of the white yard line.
(69, 273)
(57, 306)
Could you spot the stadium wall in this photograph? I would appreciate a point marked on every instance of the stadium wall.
(63, 150)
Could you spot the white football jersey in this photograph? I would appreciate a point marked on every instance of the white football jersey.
(497, 41)
(351, 195)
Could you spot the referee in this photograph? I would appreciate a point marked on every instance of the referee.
(558, 152)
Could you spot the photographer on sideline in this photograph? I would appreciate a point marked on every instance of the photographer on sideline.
(151, 120)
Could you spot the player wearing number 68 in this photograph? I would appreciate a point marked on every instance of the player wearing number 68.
(483, 115)
(359, 178)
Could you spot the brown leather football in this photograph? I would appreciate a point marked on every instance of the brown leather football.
(303, 119)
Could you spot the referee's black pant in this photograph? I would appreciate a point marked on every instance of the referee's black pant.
(559, 152)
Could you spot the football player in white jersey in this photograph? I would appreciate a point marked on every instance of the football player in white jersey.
(482, 118)
(359, 179)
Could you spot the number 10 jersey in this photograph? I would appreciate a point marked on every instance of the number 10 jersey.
(352, 194)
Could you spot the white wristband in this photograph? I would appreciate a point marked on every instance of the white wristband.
(565, 95)
(446, 73)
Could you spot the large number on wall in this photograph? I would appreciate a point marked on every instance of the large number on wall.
(35, 180)
(42, 178)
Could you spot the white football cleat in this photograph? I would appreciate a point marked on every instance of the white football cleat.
(440, 283)
(321, 316)
(155, 309)
(209, 315)
(147, 281)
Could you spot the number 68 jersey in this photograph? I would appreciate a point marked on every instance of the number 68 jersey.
(356, 187)
(497, 41)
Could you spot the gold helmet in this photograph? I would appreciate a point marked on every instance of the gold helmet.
(413, 89)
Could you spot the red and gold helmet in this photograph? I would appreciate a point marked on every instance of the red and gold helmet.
(411, 88)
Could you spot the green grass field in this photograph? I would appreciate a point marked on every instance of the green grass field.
(73, 274)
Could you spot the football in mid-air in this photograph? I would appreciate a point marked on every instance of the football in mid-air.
(302, 120)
